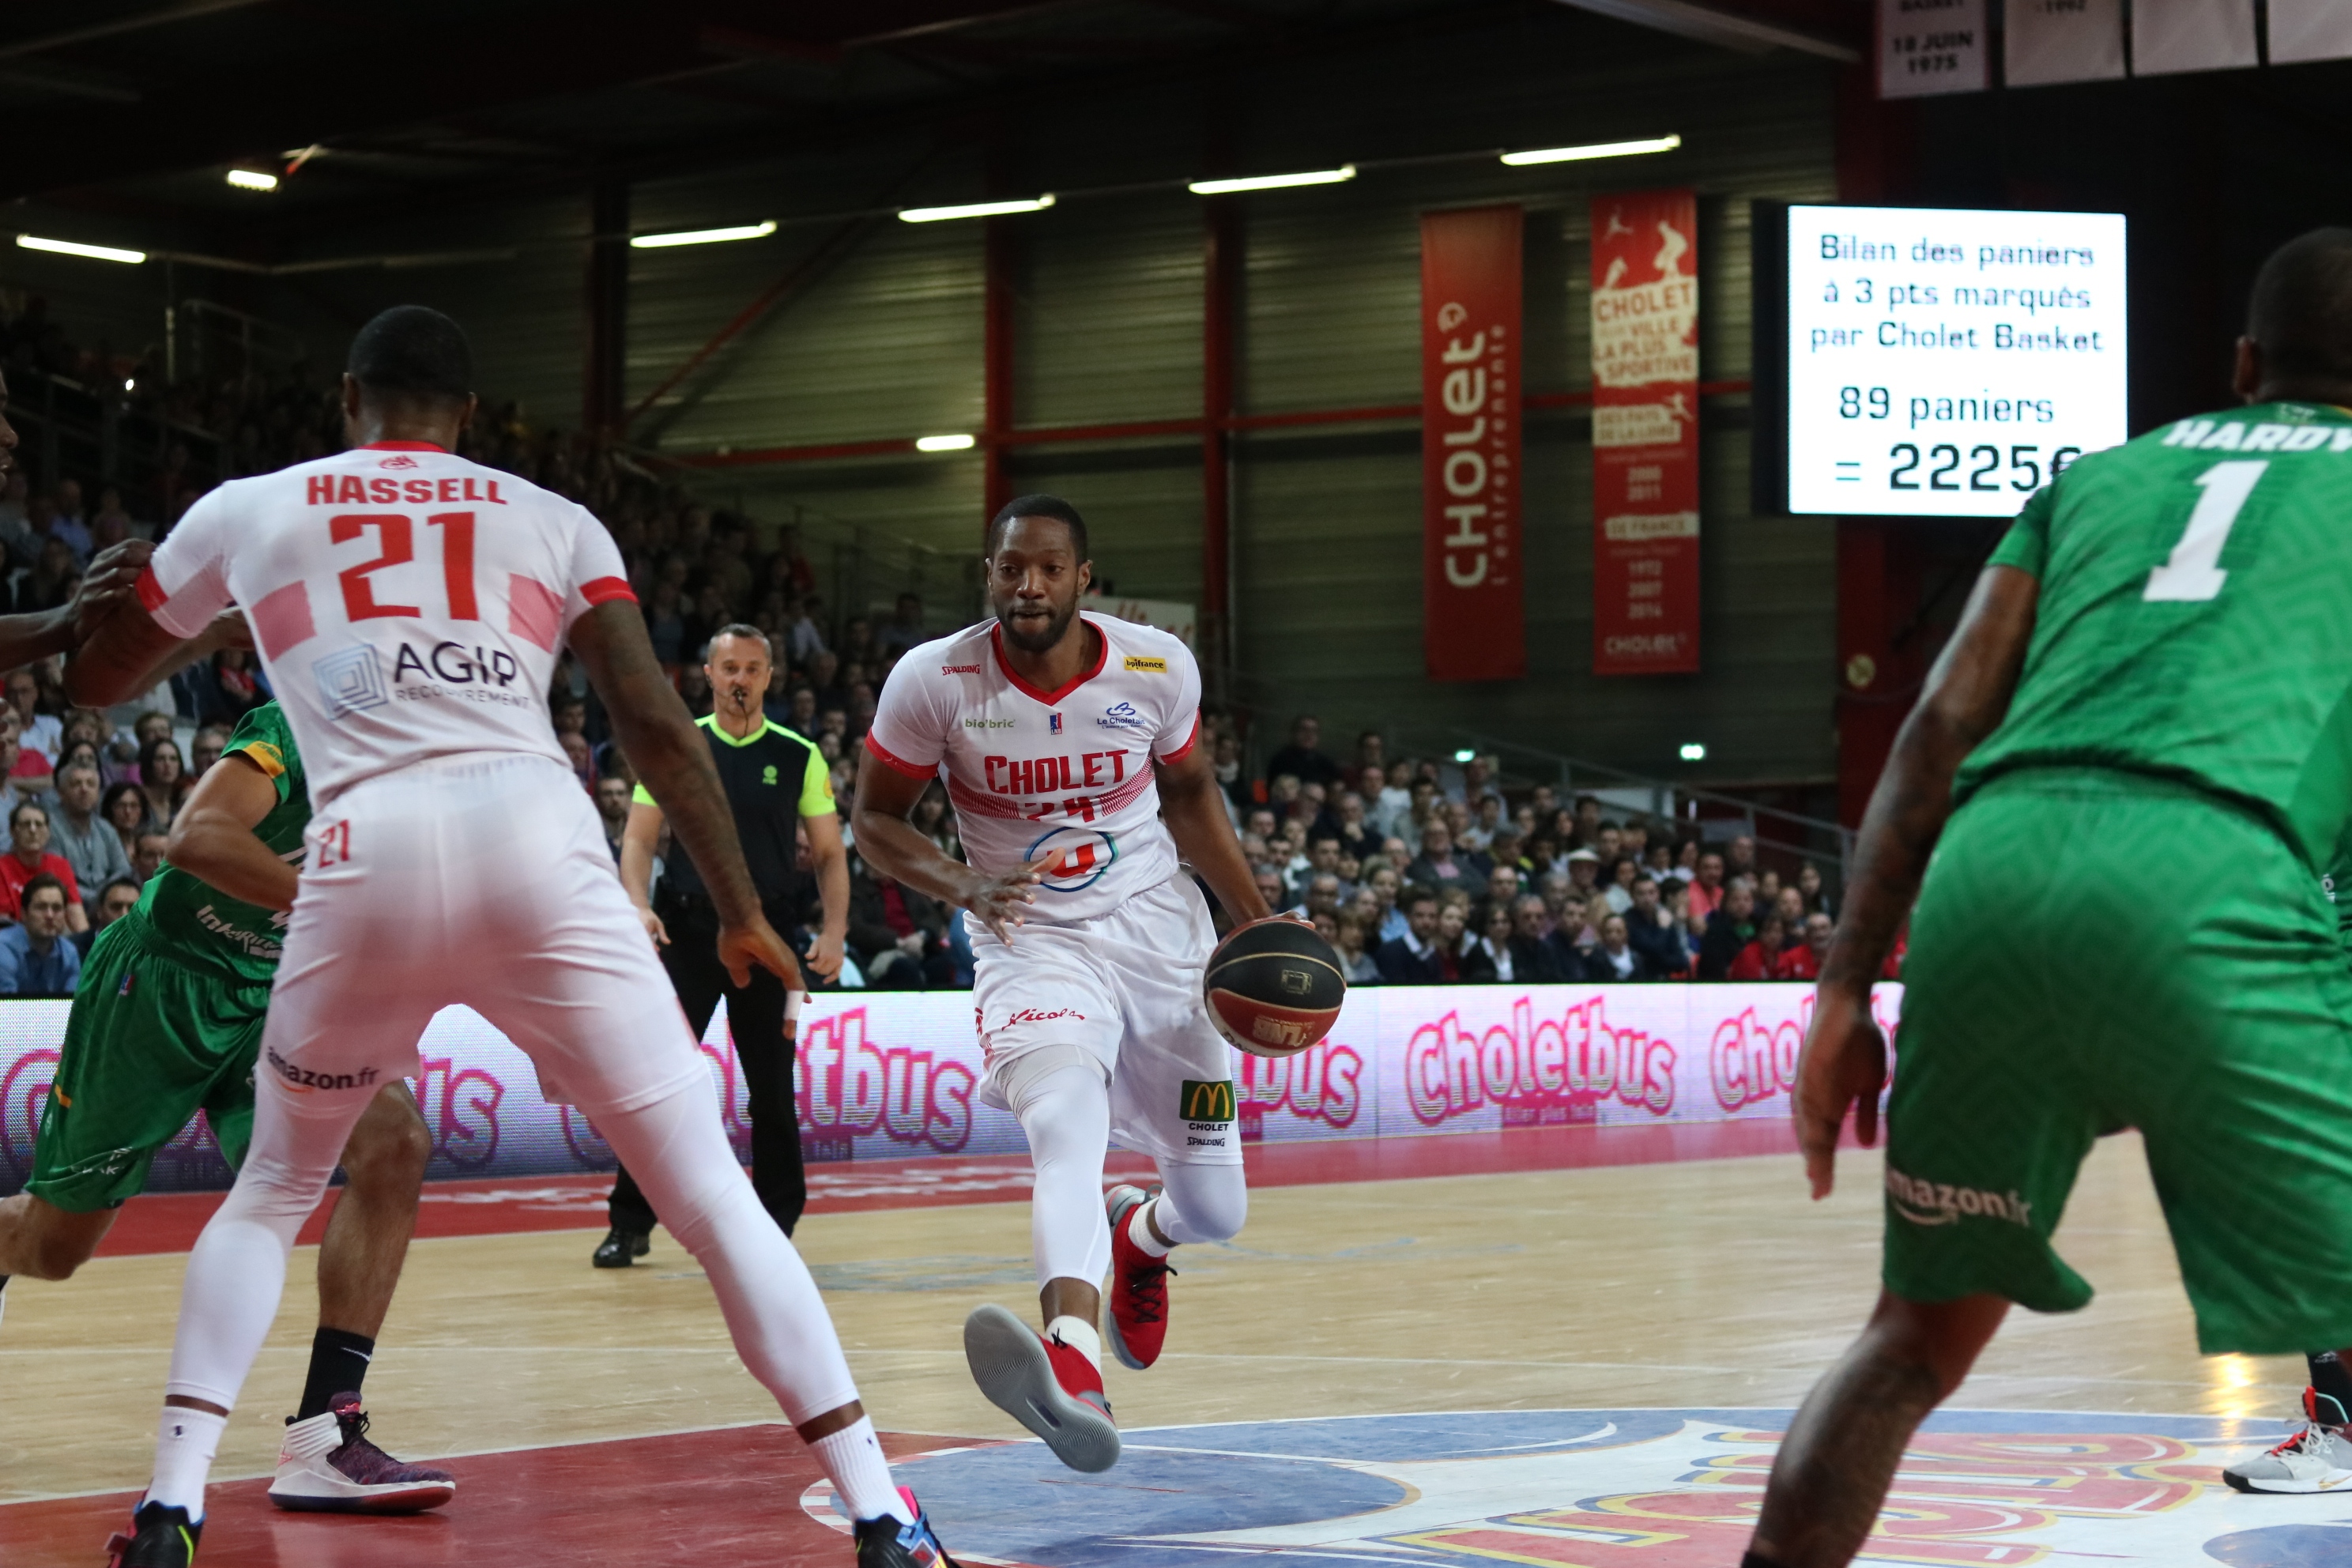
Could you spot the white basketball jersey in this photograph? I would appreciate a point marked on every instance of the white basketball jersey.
(1033, 772)
(407, 602)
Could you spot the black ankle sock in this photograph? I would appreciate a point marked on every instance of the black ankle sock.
(338, 1365)
(2331, 1377)
(1756, 1560)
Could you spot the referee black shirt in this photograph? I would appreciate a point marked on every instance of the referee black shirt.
(772, 779)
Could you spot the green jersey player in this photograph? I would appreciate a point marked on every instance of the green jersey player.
(2131, 767)
(167, 1022)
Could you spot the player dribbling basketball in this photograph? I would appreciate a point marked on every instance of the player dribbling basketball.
(1068, 745)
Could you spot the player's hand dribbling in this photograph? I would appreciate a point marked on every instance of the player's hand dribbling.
(1843, 1063)
(740, 948)
(1001, 901)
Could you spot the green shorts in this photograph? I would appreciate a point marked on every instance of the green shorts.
(2094, 951)
(149, 1043)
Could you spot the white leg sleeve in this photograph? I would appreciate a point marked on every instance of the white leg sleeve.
(677, 1150)
(1065, 1110)
(237, 1271)
(1202, 1202)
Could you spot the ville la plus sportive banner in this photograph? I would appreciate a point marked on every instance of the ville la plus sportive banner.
(890, 1076)
(1645, 433)
(1474, 624)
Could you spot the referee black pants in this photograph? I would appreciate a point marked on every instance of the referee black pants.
(755, 1016)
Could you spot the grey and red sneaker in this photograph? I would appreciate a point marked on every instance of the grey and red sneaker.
(2317, 1459)
(1048, 1387)
(326, 1465)
(1137, 1322)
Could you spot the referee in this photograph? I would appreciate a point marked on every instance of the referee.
(777, 783)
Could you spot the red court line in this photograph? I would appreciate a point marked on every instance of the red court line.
(169, 1221)
(722, 1497)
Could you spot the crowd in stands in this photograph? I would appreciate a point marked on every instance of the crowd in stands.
(1422, 872)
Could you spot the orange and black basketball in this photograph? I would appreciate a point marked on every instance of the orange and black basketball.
(1275, 987)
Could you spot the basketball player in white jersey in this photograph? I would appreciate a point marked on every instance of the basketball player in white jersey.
(1069, 744)
(408, 604)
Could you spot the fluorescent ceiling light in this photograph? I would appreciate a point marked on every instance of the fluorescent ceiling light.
(68, 247)
(252, 180)
(943, 443)
(1595, 149)
(1339, 176)
(976, 209)
(1694, 751)
(703, 236)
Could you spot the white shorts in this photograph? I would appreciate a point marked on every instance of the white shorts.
(486, 883)
(1124, 987)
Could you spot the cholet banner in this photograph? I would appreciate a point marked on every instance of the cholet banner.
(892, 1076)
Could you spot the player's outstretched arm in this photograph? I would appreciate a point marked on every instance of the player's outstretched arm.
(1844, 1059)
(110, 578)
(891, 842)
(1204, 835)
(213, 838)
(674, 760)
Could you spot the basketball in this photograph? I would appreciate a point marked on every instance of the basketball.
(1273, 987)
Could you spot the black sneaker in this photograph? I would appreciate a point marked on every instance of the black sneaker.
(885, 1543)
(620, 1248)
(159, 1538)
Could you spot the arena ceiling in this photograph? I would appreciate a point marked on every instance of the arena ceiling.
(141, 108)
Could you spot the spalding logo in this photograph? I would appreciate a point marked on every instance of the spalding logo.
(1278, 1031)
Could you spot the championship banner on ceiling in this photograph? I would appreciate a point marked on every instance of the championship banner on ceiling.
(1645, 433)
(1474, 625)
(894, 1075)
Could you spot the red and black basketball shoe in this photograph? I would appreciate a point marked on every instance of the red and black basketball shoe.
(326, 1465)
(1138, 1318)
(1048, 1387)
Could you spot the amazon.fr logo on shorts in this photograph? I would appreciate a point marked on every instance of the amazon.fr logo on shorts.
(1207, 1102)
(1943, 1203)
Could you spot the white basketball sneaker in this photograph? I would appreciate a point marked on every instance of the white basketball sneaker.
(326, 1465)
(2317, 1459)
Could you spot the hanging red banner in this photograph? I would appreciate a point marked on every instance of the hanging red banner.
(1473, 624)
(1645, 433)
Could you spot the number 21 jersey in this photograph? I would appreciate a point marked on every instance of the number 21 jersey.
(407, 602)
(2195, 617)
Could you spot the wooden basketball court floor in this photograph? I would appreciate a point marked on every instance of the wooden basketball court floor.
(1554, 1357)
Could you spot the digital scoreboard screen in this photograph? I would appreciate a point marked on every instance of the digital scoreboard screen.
(1945, 363)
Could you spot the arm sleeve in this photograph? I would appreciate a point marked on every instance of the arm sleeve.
(1183, 730)
(2026, 545)
(816, 787)
(907, 733)
(597, 575)
(185, 583)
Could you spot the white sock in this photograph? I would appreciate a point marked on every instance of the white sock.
(853, 1459)
(1138, 1231)
(185, 1442)
(1079, 1335)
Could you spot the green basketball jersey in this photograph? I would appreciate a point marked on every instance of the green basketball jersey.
(195, 923)
(2195, 619)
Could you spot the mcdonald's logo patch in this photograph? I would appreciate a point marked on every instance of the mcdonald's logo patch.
(1207, 1102)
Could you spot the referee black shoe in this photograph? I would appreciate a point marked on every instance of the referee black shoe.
(620, 1248)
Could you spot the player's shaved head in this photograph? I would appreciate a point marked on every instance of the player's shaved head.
(413, 351)
(1040, 505)
(2300, 318)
